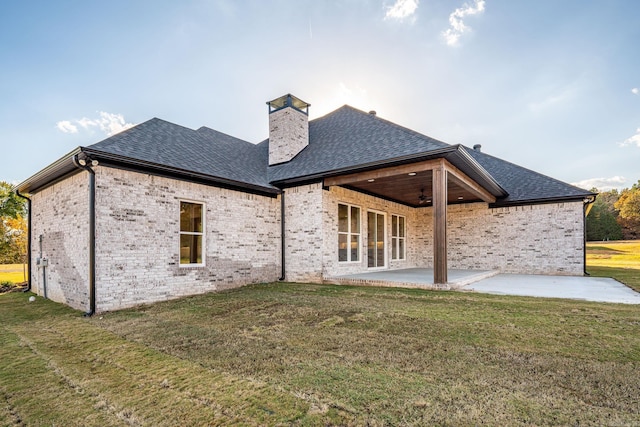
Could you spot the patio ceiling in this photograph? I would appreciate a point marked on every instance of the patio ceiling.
(406, 183)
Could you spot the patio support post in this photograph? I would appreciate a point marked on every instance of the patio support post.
(440, 225)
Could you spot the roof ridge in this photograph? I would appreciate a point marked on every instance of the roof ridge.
(386, 121)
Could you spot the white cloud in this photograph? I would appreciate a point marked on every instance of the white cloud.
(402, 9)
(632, 140)
(109, 123)
(458, 27)
(602, 184)
(67, 127)
(635, 91)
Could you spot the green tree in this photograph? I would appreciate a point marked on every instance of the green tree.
(628, 206)
(13, 226)
(602, 221)
(11, 206)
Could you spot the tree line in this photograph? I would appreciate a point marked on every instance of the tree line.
(615, 215)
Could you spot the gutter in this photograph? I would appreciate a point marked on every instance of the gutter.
(588, 204)
(28, 237)
(177, 173)
(81, 161)
(282, 239)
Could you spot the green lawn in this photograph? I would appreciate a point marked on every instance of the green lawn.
(13, 273)
(296, 354)
(617, 259)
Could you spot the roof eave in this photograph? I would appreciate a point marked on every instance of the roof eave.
(56, 170)
(363, 167)
(118, 160)
(456, 154)
(475, 171)
(585, 198)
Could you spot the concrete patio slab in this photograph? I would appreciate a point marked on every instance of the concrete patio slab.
(421, 278)
(584, 288)
(598, 289)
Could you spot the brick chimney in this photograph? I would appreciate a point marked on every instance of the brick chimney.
(288, 128)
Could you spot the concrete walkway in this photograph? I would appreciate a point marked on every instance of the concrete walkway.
(598, 289)
(584, 288)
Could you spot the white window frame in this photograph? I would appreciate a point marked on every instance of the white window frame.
(396, 238)
(350, 233)
(191, 233)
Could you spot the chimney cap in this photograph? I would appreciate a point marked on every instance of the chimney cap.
(372, 112)
(477, 147)
(288, 100)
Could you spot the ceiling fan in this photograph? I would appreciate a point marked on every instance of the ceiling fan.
(422, 199)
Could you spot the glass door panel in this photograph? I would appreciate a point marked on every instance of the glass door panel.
(376, 245)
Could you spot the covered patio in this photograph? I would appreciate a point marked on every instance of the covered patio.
(449, 176)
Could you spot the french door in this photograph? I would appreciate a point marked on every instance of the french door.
(376, 240)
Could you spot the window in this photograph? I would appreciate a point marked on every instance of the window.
(348, 233)
(191, 233)
(398, 237)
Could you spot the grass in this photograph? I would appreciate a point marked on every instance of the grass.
(13, 273)
(296, 354)
(617, 259)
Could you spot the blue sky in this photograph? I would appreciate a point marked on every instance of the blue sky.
(550, 85)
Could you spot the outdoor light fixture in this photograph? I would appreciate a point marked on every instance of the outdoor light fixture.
(84, 160)
(460, 198)
(370, 180)
(411, 174)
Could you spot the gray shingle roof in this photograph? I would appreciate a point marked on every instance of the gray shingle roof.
(204, 151)
(523, 184)
(346, 139)
(349, 137)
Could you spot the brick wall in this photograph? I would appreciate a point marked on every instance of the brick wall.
(303, 231)
(137, 253)
(60, 214)
(536, 239)
(288, 134)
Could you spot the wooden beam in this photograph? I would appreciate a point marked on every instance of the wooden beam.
(383, 173)
(460, 178)
(440, 224)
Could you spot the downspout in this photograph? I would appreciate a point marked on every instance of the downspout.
(282, 238)
(28, 237)
(42, 263)
(86, 163)
(587, 203)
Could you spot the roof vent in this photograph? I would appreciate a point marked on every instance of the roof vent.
(477, 147)
(372, 112)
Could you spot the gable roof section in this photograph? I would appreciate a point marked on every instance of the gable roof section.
(206, 152)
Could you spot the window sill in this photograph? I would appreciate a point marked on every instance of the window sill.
(193, 266)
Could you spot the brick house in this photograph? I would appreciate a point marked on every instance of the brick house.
(161, 211)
